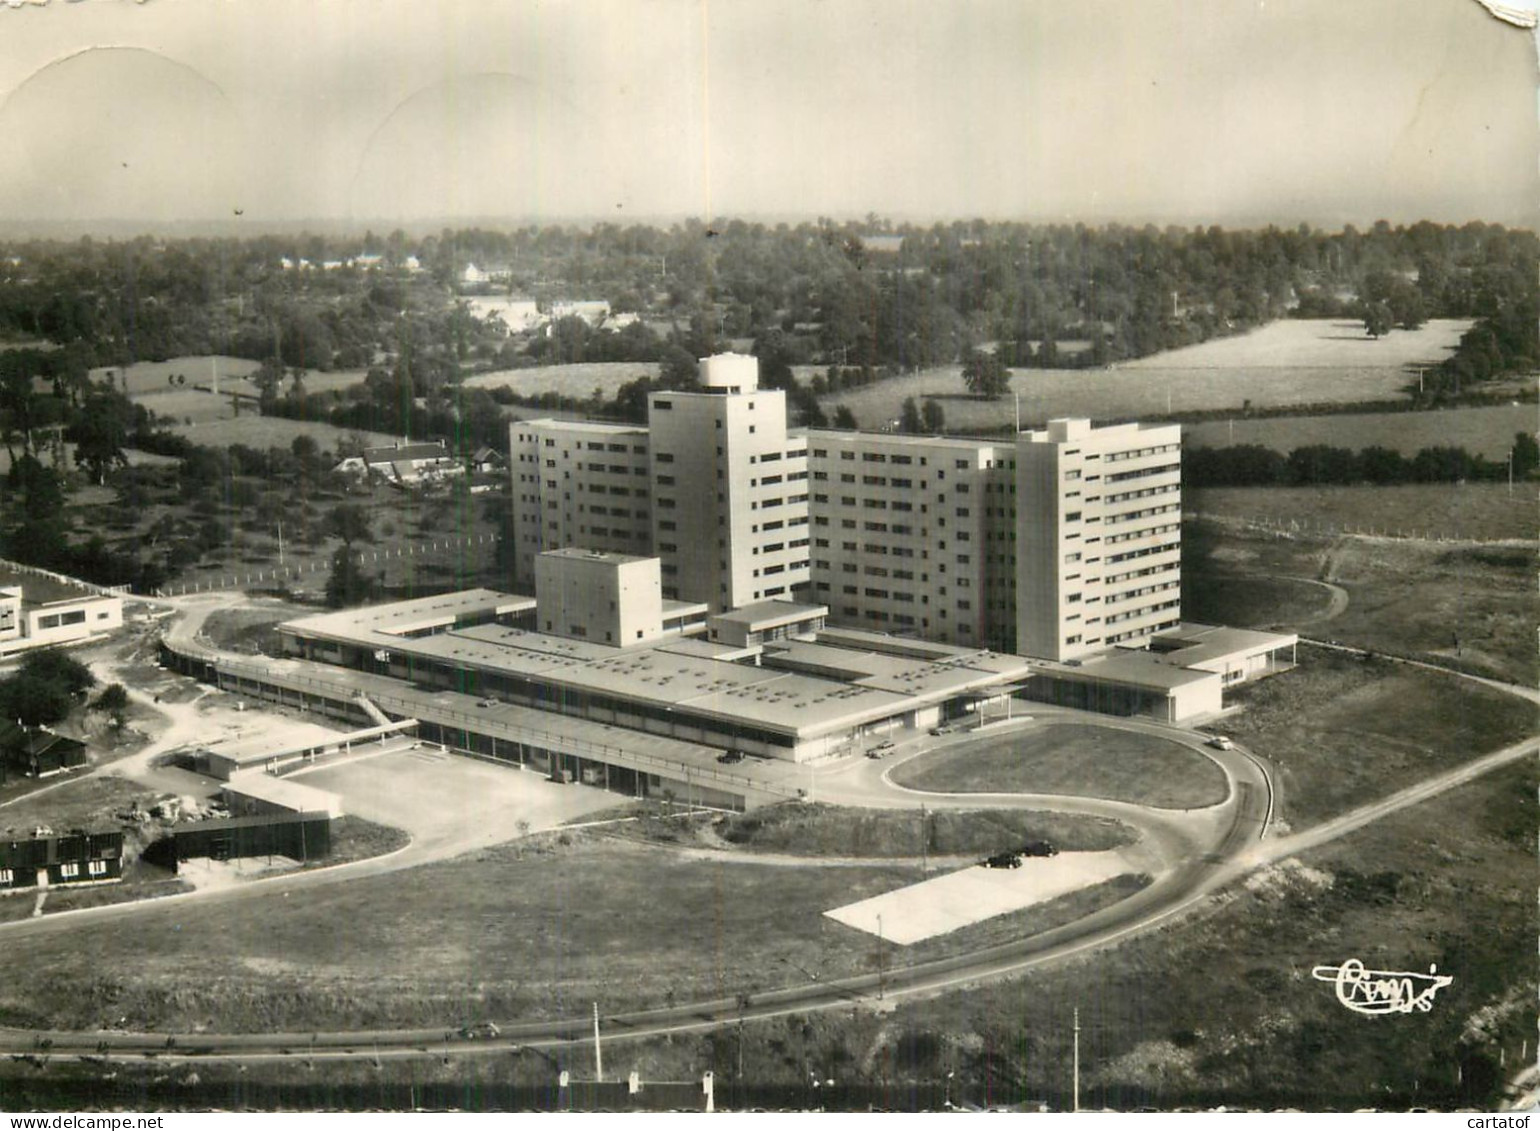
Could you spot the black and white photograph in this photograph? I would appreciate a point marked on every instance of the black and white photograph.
(830, 556)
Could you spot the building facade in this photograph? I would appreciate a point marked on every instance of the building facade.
(730, 502)
(1098, 537)
(1056, 544)
(912, 534)
(577, 483)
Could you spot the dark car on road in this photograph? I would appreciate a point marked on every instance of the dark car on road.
(1003, 860)
(1038, 848)
(730, 757)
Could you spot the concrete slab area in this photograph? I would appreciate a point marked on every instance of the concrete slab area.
(437, 797)
(959, 899)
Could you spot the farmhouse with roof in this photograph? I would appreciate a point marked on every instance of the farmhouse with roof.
(405, 464)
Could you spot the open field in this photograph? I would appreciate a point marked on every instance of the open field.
(1251, 602)
(1074, 759)
(1342, 731)
(1479, 511)
(1465, 605)
(1486, 431)
(1306, 362)
(263, 432)
(134, 457)
(578, 380)
(1222, 1009)
(830, 830)
(150, 377)
(1333, 344)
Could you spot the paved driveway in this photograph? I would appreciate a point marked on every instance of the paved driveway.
(445, 799)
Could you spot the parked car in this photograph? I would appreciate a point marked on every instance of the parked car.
(1038, 848)
(1003, 860)
(886, 744)
(479, 1031)
(1221, 742)
(730, 757)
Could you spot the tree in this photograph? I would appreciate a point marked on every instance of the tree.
(844, 418)
(114, 702)
(44, 689)
(1526, 455)
(1377, 320)
(677, 368)
(101, 432)
(985, 375)
(910, 420)
(350, 523)
(59, 668)
(347, 584)
(267, 379)
(932, 418)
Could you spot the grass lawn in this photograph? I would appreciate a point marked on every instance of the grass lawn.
(1221, 1009)
(243, 629)
(1486, 430)
(1304, 362)
(520, 930)
(579, 380)
(1245, 602)
(1076, 759)
(148, 378)
(1481, 511)
(263, 432)
(830, 830)
(1344, 731)
(1465, 605)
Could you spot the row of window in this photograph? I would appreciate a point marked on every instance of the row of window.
(1140, 453)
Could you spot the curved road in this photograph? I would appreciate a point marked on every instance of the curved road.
(1204, 850)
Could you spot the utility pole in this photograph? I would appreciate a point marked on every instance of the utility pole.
(598, 1052)
(1077, 1059)
(924, 845)
(1015, 396)
(881, 981)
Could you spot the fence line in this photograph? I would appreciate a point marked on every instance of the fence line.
(285, 573)
(1334, 529)
(65, 579)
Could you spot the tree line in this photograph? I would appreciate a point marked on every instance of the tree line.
(1253, 465)
(861, 293)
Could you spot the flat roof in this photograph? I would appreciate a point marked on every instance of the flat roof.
(296, 735)
(617, 745)
(580, 554)
(280, 791)
(880, 677)
(1189, 643)
(586, 426)
(400, 617)
(771, 614)
(1134, 669)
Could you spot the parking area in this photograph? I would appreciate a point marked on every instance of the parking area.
(959, 899)
(446, 801)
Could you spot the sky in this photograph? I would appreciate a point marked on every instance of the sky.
(382, 112)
